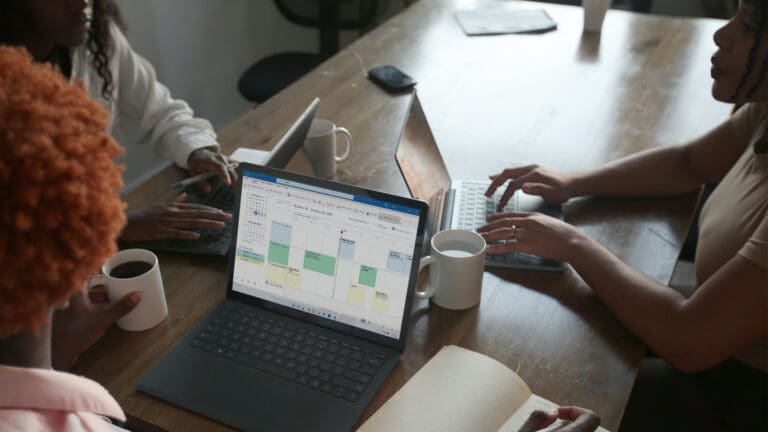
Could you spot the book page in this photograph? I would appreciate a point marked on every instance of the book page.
(521, 415)
(457, 390)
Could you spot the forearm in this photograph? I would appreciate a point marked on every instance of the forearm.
(651, 311)
(657, 172)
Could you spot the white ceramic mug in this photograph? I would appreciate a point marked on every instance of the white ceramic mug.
(135, 270)
(594, 14)
(320, 147)
(457, 262)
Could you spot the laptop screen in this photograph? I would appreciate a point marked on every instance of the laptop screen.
(343, 257)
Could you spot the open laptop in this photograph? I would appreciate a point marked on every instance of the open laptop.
(458, 204)
(320, 287)
(222, 196)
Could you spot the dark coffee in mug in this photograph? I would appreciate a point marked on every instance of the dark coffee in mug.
(130, 269)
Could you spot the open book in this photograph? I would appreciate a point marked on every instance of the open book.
(459, 390)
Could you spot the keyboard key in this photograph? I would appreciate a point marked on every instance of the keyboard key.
(373, 361)
(208, 336)
(348, 384)
(351, 396)
(361, 378)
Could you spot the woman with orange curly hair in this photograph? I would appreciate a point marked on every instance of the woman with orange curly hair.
(60, 213)
(83, 40)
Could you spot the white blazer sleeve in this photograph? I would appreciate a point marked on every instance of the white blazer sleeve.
(147, 105)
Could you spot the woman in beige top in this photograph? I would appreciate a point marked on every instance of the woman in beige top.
(714, 340)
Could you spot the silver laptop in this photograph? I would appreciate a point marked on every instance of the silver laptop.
(320, 288)
(458, 204)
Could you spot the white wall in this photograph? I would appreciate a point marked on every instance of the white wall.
(201, 47)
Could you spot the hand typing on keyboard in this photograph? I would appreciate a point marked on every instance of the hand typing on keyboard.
(530, 233)
(534, 180)
(175, 220)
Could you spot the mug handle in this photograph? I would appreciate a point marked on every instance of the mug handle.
(430, 290)
(96, 280)
(348, 139)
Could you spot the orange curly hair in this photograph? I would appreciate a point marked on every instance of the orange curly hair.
(60, 209)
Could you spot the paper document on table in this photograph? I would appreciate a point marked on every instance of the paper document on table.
(248, 155)
(499, 20)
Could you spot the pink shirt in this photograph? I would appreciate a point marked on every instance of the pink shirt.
(45, 400)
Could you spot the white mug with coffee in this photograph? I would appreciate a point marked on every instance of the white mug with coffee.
(457, 261)
(135, 270)
(321, 147)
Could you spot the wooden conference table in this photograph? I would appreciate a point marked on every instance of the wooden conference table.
(562, 99)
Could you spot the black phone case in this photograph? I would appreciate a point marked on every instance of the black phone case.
(391, 78)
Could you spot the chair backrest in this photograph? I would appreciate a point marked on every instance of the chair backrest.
(329, 16)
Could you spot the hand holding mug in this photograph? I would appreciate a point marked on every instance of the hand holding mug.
(135, 270)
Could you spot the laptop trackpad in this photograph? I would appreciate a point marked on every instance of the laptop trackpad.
(243, 397)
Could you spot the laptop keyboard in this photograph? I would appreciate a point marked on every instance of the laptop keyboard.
(222, 198)
(276, 346)
(474, 206)
(212, 241)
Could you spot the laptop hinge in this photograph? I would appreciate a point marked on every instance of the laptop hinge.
(448, 209)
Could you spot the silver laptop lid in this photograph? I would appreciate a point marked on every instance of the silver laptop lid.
(293, 138)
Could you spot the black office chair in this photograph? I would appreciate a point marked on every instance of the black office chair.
(271, 74)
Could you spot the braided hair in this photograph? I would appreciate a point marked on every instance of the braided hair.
(13, 23)
(759, 31)
(100, 42)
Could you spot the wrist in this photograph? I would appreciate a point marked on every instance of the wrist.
(573, 187)
(196, 155)
(576, 246)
